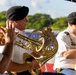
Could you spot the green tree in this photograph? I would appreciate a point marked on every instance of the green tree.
(39, 21)
(59, 23)
(2, 18)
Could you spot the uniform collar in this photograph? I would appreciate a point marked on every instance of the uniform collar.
(19, 31)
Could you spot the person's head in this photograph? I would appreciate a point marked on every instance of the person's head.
(72, 22)
(17, 14)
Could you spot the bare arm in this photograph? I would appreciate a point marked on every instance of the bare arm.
(6, 57)
(70, 54)
(7, 52)
(15, 67)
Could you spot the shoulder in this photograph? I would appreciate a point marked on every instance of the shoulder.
(62, 34)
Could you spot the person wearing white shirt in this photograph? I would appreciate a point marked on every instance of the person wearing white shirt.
(17, 15)
(65, 59)
(5, 56)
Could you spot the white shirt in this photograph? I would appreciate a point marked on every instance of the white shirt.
(64, 44)
(18, 51)
(1, 56)
(1, 50)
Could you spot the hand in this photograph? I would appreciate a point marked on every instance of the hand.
(9, 33)
(34, 65)
(47, 34)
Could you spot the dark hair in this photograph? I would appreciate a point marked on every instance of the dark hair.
(72, 18)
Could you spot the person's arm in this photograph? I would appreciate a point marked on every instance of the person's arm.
(7, 52)
(6, 57)
(15, 67)
(70, 54)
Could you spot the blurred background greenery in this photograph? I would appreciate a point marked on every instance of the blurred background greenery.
(40, 21)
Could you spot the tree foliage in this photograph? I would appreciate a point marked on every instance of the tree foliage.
(59, 23)
(40, 21)
(2, 19)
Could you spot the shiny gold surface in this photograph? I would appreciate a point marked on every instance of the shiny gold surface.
(46, 52)
(45, 46)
